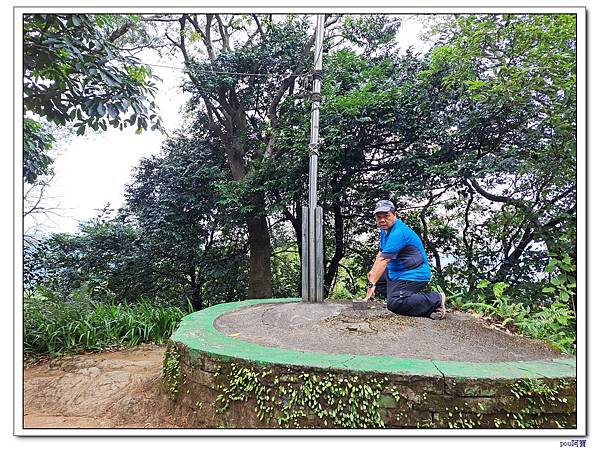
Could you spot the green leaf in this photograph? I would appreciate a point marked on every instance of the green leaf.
(499, 288)
(112, 111)
(483, 284)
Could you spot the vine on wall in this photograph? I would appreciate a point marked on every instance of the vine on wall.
(171, 370)
(339, 400)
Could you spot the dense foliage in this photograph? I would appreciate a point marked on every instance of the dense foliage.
(75, 74)
(57, 326)
(474, 141)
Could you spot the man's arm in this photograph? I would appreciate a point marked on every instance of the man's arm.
(375, 273)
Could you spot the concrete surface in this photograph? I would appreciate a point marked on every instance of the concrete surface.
(339, 328)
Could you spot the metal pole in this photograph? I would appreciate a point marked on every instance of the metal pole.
(313, 287)
(305, 268)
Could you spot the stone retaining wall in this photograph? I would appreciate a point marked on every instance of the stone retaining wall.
(236, 393)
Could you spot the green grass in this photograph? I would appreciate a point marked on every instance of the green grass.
(55, 328)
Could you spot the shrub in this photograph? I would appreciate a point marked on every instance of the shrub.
(53, 326)
(552, 320)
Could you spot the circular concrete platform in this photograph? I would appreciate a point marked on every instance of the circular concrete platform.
(259, 358)
(338, 328)
(288, 331)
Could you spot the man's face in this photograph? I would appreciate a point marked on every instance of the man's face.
(385, 220)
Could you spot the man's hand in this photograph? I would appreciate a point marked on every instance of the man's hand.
(370, 294)
(375, 274)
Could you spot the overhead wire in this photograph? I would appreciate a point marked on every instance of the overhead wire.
(201, 71)
(213, 71)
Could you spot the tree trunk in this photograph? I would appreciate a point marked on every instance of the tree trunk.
(513, 258)
(196, 297)
(297, 224)
(260, 282)
(428, 244)
(296, 221)
(260, 285)
(339, 250)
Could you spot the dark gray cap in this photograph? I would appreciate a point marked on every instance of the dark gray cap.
(384, 206)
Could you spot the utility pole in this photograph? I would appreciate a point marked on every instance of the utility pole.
(312, 217)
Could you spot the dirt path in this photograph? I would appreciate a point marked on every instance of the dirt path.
(120, 389)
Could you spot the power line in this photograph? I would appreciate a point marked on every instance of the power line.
(214, 71)
(183, 68)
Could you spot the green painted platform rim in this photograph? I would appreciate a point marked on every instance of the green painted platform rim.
(198, 333)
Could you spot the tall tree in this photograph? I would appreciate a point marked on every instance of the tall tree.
(499, 92)
(184, 233)
(366, 127)
(244, 68)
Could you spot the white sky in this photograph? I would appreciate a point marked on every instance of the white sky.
(92, 170)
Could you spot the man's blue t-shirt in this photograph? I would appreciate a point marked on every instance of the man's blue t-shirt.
(408, 257)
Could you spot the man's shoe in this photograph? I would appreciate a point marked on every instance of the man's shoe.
(440, 311)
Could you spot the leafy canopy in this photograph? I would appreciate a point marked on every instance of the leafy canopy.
(75, 74)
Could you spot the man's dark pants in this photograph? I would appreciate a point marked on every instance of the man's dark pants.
(407, 297)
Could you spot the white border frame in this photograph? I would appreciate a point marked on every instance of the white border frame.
(427, 7)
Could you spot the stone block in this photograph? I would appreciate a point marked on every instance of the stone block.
(446, 403)
(359, 304)
(417, 383)
(212, 365)
(527, 421)
(560, 404)
(203, 378)
(407, 419)
(477, 387)
(387, 401)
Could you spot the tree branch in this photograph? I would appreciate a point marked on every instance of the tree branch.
(492, 197)
(123, 29)
(283, 87)
(205, 35)
(262, 33)
(430, 245)
(223, 33)
(207, 41)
